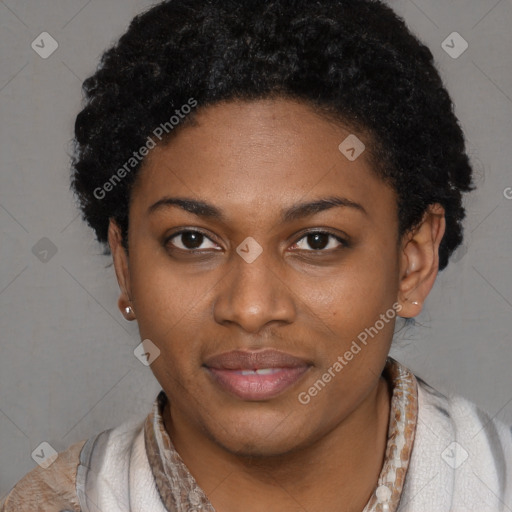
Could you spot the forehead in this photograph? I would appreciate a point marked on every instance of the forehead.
(262, 154)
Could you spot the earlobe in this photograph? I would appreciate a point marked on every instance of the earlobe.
(120, 259)
(419, 261)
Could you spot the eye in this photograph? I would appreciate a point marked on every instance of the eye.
(190, 241)
(320, 241)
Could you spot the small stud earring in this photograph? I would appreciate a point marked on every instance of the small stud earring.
(128, 310)
(415, 303)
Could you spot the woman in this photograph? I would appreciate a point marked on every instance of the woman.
(276, 182)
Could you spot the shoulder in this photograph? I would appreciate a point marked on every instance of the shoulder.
(101, 470)
(461, 449)
(57, 488)
(464, 419)
(49, 490)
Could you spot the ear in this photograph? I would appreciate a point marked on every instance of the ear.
(120, 258)
(419, 261)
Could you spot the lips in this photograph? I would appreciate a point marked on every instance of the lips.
(254, 360)
(255, 375)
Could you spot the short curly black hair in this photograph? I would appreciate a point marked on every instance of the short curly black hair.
(352, 59)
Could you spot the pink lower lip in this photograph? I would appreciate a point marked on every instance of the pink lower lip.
(257, 387)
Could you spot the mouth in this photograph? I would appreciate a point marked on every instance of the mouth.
(255, 375)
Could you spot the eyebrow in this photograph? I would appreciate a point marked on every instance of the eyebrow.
(296, 211)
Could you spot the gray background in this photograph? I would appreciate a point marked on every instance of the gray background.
(67, 368)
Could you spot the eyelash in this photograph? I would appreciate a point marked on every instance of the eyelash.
(343, 243)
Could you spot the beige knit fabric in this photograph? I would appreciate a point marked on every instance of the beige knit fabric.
(47, 490)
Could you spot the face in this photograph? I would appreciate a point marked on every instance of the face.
(251, 267)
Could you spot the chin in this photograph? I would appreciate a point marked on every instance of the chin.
(247, 447)
(257, 436)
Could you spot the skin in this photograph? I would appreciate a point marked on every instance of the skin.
(252, 160)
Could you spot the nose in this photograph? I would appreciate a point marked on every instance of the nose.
(253, 295)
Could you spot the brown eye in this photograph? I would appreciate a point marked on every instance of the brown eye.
(190, 241)
(320, 241)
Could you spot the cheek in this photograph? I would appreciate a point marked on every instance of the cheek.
(356, 342)
(169, 306)
(160, 286)
(356, 293)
